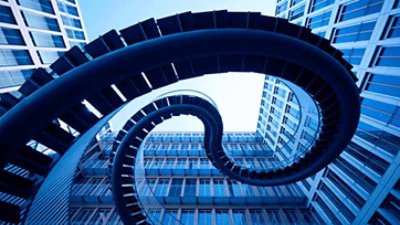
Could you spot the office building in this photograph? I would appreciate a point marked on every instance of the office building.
(362, 185)
(34, 33)
(359, 187)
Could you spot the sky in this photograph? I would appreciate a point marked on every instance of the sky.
(237, 95)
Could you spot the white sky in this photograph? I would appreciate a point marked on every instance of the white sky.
(237, 95)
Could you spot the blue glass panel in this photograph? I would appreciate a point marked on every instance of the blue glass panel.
(222, 217)
(281, 7)
(10, 36)
(256, 217)
(360, 8)
(40, 5)
(353, 55)
(384, 84)
(40, 22)
(359, 32)
(319, 20)
(190, 187)
(67, 8)
(68, 21)
(297, 13)
(389, 56)
(13, 77)
(14, 57)
(187, 217)
(205, 217)
(6, 15)
(176, 187)
(239, 217)
(394, 31)
(75, 34)
(319, 4)
(205, 187)
(48, 57)
(47, 40)
(378, 137)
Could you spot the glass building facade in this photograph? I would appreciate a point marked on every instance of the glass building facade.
(34, 33)
(362, 185)
(187, 186)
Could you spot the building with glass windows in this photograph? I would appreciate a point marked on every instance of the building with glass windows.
(186, 185)
(360, 187)
(33, 34)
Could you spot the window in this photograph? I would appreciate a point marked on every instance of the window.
(344, 210)
(319, 4)
(67, 8)
(394, 24)
(386, 113)
(234, 188)
(162, 187)
(187, 217)
(204, 217)
(204, 163)
(281, 7)
(319, 20)
(360, 8)
(40, 5)
(176, 187)
(256, 217)
(169, 217)
(10, 36)
(13, 77)
(384, 140)
(388, 56)
(222, 217)
(193, 163)
(359, 32)
(48, 57)
(40, 22)
(297, 13)
(181, 164)
(190, 187)
(204, 189)
(327, 211)
(6, 15)
(219, 188)
(14, 57)
(47, 40)
(364, 181)
(169, 163)
(68, 21)
(365, 157)
(384, 84)
(75, 34)
(239, 217)
(353, 55)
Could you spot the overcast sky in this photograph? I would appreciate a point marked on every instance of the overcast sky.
(238, 95)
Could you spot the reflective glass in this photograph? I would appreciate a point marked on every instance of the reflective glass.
(10, 57)
(319, 20)
(360, 8)
(10, 36)
(40, 5)
(384, 84)
(389, 56)
(47, 40)
(6, 15)
(319, 4)
(358, 32)
(47, 57)
(40, 22)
